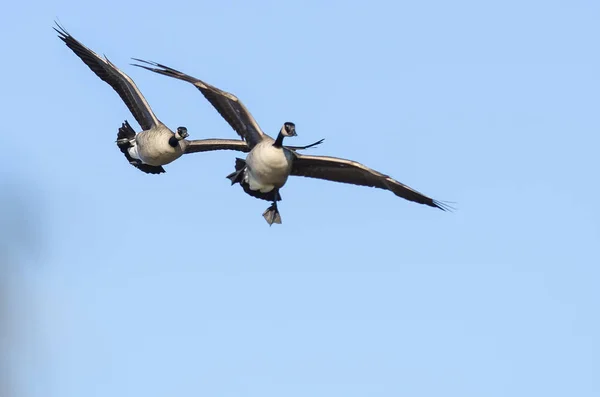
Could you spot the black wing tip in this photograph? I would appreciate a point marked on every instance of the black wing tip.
(443, 205)
(312, 145)
(62, 32)
(154, 67)
(151, 63)
(317, 143)
(59, 26)
(143, 67)
(71, 42)
(154, 64)
(143, 61)
(159, 68)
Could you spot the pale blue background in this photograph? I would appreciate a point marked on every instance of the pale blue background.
(174, 285)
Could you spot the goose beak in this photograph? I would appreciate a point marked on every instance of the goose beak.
(293, 132)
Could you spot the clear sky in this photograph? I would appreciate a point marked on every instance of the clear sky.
(174, 285)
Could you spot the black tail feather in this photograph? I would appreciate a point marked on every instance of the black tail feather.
(238, 175)
(239, 164)
(125, 132)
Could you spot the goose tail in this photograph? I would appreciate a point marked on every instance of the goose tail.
(124, 137)
(238, 175)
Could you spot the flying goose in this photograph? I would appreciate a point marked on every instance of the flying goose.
(156, 145)
(269, 164)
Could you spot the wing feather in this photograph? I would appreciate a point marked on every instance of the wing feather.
(119, 81)
(348, 171)
(227, 104)
(207, 145)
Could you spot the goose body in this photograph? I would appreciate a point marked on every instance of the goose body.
(269, 164)
(152, 146)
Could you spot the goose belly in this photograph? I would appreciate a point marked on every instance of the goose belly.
(153, 147)
(268, 167)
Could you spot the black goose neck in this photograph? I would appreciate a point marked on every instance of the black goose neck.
(279, 141)
(173, 141)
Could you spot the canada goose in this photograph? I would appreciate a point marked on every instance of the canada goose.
(269, 164)
(156, 145)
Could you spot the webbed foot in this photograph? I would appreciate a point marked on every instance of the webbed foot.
(272, 215)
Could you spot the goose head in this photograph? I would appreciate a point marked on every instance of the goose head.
(288, 129)
(179, 136)
(181, 133)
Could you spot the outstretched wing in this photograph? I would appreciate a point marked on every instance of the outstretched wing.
(119, 81)
(207, 145)
(348, 171)
(228, 105)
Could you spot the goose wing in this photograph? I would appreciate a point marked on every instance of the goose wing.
(207, 145)
(119, 81)
(228, 105)
(348, 171)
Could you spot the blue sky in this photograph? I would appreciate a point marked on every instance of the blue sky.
(175, 285)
